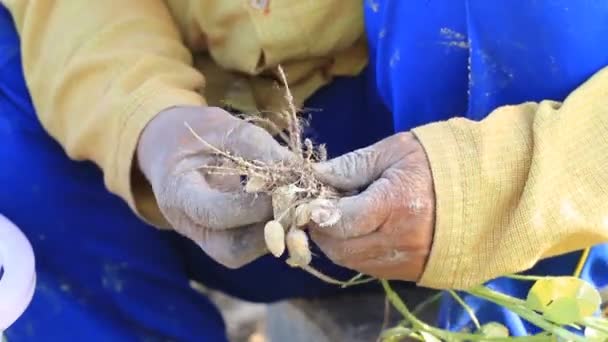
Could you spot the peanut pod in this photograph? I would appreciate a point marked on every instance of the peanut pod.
(297, 245)
(274, 236)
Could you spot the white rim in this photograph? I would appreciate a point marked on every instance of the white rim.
(18, 282)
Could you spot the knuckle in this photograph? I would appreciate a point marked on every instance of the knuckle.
(409, 193)
(394, 256)
(226, 259)
(231, 262)
(404, 137)
(416, 202)
(225, 252)
(376, 202)
(203, 213)
(257, 143)
(343, 231)
(167, 203)
(252, 134)
(206, 217)
(346, 164)
(364, 159)
(416, 206)
(347, 227)
(279, 153)
(176, 205)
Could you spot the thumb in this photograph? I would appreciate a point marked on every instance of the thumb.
(356, 169)
(252, 142)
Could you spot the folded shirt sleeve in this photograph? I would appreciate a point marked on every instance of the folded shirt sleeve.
(528, 182)
(98, 71)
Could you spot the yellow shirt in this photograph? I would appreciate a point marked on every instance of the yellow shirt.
(98, 71)
(528, 182)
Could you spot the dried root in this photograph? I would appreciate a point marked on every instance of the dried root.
(292, 186)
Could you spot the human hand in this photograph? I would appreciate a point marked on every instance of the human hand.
(210, 209)
(386, 230)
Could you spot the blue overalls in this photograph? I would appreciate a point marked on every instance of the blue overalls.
(435, 59)
(105, 276)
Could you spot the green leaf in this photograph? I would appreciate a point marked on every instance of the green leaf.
(600, 322)
(494, 329)
(427, 337)
(563, 300)
(395, 334)
(595, 335)
(563, 311)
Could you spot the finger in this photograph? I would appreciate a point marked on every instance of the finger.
(237, 247)
(408, 271)
(350, 171)
(352, 252)
(395, 264)
(254, 143)
(232, 248)
(361, 214)
(356, 169)
(375, 254)
(219, 210)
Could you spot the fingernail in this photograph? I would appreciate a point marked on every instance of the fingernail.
(324, 213)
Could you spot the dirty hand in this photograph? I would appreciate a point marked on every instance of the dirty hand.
(385, 230)
(210, 209)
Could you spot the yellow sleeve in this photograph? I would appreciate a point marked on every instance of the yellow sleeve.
(97, 72)
(528, 182)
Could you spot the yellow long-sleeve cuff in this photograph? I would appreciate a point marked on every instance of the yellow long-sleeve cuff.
(123, 177)
(480, 228)
(526, 183)
(440, 141)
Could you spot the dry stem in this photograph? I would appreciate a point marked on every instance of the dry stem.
(295, 128)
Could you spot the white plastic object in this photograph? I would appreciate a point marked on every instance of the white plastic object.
(19, 278)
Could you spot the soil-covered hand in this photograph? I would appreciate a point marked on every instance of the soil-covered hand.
(210, 208)
(385, 230)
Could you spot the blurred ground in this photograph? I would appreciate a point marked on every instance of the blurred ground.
(353, 318)
(245, 322)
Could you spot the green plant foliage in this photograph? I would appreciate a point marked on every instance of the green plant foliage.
(562, 307)
(594, 335)
(427, 337)
(563, 300)
(396, 334)
(494, 329)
